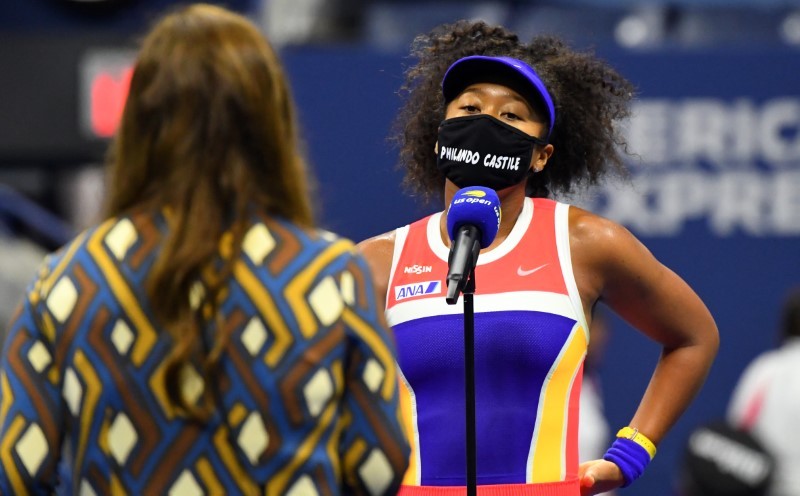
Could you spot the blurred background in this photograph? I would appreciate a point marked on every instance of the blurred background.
(715, 191)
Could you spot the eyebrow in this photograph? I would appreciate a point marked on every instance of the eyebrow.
(510, 93)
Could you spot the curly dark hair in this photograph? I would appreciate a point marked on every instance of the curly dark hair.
(590, 99)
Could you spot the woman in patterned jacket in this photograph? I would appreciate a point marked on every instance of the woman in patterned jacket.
(205, 338)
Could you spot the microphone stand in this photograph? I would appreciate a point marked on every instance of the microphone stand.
(466, 285)
(469, 371)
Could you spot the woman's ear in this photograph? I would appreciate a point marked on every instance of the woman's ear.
(540, 157)
(436, 148)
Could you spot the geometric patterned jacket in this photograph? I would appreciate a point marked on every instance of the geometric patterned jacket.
(306, 396)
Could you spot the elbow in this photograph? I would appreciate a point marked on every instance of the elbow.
(705, 345)
(702, 343)
(712, 340)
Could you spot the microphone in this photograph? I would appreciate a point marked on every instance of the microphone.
(473, 219)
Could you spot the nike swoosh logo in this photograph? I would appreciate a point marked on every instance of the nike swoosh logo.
(524, 273)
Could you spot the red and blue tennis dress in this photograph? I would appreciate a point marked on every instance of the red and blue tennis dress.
(530, 342)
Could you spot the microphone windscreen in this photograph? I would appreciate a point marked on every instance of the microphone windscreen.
(476, 206)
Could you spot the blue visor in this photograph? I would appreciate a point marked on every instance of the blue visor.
(507, 71)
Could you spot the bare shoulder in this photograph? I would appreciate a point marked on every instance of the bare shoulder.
(611, 264)
(602, 249)
(595, 243)
(596, 232)
(378, 252)
(378, 249)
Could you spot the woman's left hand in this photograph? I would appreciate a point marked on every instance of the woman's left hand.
(599, 476)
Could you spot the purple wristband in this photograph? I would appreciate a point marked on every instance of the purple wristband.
(629, 457)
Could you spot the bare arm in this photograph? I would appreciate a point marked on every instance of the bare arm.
(378, 252)
(612, 265)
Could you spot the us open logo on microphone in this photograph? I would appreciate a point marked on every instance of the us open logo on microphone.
(417, 289)
(472, 196)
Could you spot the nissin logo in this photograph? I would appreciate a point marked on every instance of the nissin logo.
(417, 289)
(417, 269)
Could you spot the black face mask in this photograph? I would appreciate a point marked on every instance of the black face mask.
(479, 150)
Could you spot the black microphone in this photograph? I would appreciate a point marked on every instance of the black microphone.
(473, 219)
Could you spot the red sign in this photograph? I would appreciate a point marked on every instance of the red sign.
(107, 96)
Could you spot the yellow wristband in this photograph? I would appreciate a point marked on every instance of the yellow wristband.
(638, 438)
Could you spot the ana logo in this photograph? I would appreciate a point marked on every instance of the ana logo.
(477, 193)
(417, 269)
(417, 289)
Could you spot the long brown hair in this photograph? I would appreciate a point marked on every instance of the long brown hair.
(208, 132)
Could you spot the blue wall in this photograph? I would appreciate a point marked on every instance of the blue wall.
(716, 195)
